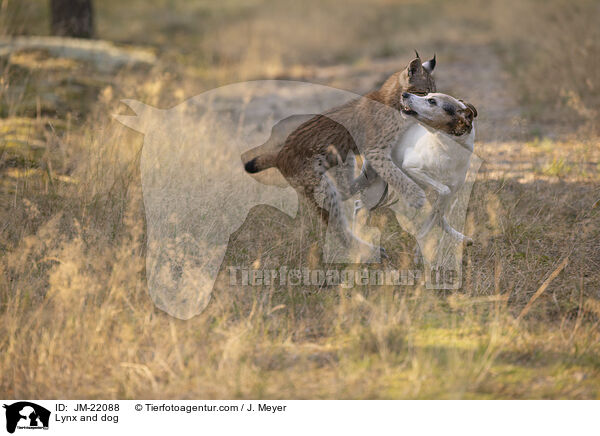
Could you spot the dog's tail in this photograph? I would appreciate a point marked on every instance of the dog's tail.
(261, 162)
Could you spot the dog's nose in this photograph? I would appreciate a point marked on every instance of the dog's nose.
(405, 95)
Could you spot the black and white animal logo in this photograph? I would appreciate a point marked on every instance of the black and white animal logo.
(26, 415)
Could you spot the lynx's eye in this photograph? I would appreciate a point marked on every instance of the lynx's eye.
(432, 101)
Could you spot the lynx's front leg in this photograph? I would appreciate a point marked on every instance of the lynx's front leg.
(397, 179)
(421, 176)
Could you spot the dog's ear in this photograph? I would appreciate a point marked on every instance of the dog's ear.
(473, 110)
(414, 67)
(470, 109)
(429, 65)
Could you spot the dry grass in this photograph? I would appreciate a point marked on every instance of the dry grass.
(556, 68)
(75, 317)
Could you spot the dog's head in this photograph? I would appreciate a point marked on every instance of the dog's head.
(416, 77)
(440, 112)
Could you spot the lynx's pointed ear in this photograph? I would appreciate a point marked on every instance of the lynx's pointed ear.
(429, 65)
(414, 67)
(417, 53)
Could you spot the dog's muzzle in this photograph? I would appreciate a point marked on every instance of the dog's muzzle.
(406, 109)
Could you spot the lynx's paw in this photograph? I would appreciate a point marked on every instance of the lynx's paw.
(445, 191)
(415, 197)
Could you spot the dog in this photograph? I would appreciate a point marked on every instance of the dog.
(435, 153)
(326, 141)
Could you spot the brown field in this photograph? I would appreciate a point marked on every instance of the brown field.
(76, 320)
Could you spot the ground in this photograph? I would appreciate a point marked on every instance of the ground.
(75, 316)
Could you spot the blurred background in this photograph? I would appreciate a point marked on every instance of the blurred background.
(550, 49)
(75, 317)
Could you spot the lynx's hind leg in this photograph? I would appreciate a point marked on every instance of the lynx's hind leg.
(327, 197)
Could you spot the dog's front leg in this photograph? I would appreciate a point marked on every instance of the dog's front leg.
(440, 205)
(455, 233)
(439, 208)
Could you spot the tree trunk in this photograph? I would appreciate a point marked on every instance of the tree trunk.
(72, 18)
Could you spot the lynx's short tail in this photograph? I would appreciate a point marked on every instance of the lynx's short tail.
(261, 162)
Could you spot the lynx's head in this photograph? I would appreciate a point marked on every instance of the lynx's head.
(416, 77)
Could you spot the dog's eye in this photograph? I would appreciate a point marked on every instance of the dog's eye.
(432, 101)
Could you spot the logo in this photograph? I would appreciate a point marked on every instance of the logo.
(26, 415)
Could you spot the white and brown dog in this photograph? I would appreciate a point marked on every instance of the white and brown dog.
(435, 153)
